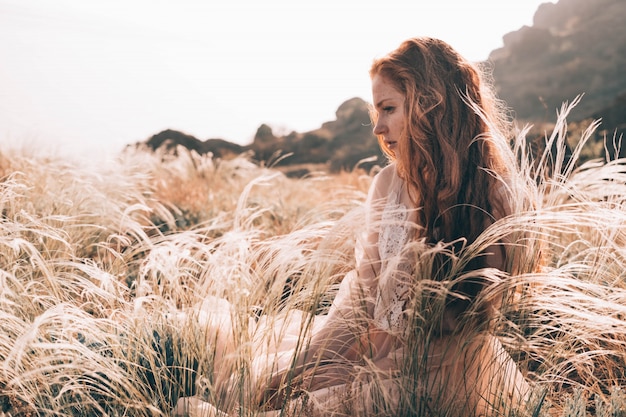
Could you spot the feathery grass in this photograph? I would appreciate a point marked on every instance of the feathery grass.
(97, 262)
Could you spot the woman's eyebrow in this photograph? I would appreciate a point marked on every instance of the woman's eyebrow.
(382, 102)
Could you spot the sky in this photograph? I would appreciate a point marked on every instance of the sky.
(88, 77)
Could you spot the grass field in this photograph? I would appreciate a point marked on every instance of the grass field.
(93, 257)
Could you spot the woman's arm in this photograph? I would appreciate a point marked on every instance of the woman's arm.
(352, 307)
(496, 254)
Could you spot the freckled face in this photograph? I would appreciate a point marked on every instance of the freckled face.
(389, 105)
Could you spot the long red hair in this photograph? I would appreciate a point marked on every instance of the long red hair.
(454, 152)
(447, 155)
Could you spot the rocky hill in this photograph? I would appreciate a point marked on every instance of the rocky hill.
(341, 144)
(574, 47)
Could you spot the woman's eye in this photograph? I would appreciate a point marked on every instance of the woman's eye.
(388, 109)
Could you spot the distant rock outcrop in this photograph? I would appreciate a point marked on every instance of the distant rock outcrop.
(170, 139)
(574, 47)
(341, 144)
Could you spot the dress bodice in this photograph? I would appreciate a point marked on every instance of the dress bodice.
(393, 286)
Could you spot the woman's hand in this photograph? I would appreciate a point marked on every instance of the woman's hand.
(271, 375)
(271, 396)
(284, 385)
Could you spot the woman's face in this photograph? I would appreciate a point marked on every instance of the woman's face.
(389, 106)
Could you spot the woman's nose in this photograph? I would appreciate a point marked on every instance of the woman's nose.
(379, 128)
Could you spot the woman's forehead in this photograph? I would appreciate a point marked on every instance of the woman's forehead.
(383, 90)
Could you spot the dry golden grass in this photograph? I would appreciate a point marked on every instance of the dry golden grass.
(94, 258)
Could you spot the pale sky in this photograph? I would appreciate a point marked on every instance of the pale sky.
(90, 76)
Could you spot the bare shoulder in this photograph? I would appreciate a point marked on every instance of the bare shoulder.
(501, 197)
(381, 183)
(388, 171)
(385, 176)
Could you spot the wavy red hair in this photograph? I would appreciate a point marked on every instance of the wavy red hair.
(454, 152)
(448, 154)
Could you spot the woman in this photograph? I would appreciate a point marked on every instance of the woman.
(409, 330)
